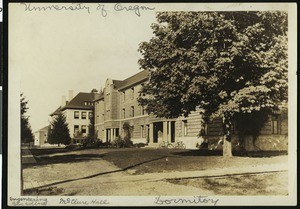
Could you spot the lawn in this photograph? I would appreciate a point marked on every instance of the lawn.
(143, 160)
(79, 170)
(258, 184)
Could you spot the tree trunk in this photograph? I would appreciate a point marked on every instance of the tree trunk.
(227, 148)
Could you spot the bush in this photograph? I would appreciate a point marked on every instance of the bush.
(203, 145)
(138, 145)
(127, 142)
(92, 142)
(74, 147)
(120, 143)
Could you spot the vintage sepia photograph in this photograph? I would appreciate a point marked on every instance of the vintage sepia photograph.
(144, 104)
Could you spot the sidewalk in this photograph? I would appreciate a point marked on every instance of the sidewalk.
(117, 176)
(27, 157)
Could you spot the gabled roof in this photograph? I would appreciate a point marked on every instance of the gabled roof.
(137, 78)
(43, 129)
(118, 83)
(56, 112)
(78, 102)
(99, 96)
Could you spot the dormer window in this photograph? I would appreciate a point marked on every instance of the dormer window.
(86, 103)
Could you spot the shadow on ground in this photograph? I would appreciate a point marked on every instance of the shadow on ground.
(199, 153)
(34, 191)
(68, 158)
(254, 154)
(47, 151)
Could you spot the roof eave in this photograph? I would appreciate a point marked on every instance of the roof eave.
(78, 108)
(132, 84)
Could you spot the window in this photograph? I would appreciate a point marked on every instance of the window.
(123, 95)
(275, 124)
(107, 98)
(88, 103)
(184, 127)
(142, 110)
(76, 129)
(83, 129)
(123, 113)
(90, 114)
(132, 92)
(83, 115)
(142, 131)
(76, 115)
(132, 111)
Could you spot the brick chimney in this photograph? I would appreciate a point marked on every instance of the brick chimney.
(70, 95)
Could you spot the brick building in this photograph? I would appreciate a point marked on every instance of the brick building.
(117, 104)
(273, 135)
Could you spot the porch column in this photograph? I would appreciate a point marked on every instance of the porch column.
(169, 131)
(151, 133)
(111, 134)
(114, 133)
(165, 131)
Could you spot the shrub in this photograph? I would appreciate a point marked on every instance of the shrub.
(120, 143)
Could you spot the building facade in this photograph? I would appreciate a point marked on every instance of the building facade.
(117, 104)
(273, 135)
(78, 110)
(40, 136)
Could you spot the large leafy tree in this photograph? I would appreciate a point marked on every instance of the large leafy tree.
(26, 131)
(229, 64)
(59, 131)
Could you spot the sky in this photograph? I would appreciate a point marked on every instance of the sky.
(58, 51)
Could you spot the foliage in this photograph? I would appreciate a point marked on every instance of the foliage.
(59, 131)
(229, 64)
(91, 133)
(127, 130)
(26, 132)
(122, 142)
(118, 142)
